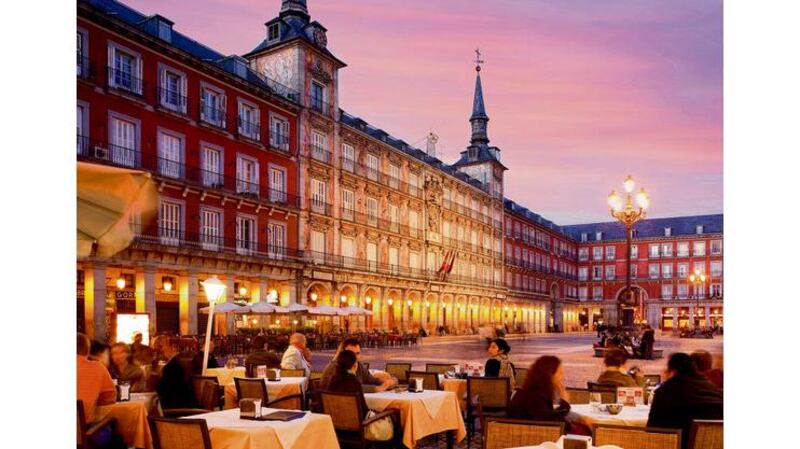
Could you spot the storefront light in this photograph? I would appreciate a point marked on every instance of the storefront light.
(167, 285)
(120, 282)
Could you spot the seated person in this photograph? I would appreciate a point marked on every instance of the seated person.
(175, 386)
(197, 360)
(544, 397)
(297, 355)
(615, 374)
(684, 396)
(370, 383)
(260, 355)
(124, 370)
(99, 352)
(703, 365)
(498, 364)
(95, 386)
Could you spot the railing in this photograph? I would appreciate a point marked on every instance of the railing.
(279, 142)
(212, 116)
(318, 105)
(84, 67)
(374, 221)
(109, 154)
(351, 166)
(472, 213)
(320, 153)
(125, 81)
(209, 242)
(172, 99)
(319, 206)
(249, 129)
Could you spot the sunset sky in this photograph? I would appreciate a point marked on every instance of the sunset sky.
(580, 93)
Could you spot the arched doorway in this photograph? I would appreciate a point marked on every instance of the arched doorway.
(632, 307)
(371, 295)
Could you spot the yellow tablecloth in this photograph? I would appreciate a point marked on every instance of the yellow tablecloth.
(131, 422)
(275, 389)
(226, 375)
(229, 432)
(415, 418)
(457, 386)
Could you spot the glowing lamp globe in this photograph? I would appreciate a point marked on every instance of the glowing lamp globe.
(214, 289)
(629, 184)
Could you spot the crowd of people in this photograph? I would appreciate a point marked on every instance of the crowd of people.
(637, 342)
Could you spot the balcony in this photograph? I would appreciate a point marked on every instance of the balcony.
(320, 106)
(246, 187)
(249, 130)
(125, 81)
(172, 100)
(154, 235)
(85, 67)
(279, 142)
(320, 153)
(319, 206)
(212, 116)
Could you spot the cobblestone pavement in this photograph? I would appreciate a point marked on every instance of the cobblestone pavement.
(575, 350)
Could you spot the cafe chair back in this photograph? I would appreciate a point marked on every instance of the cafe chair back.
(251, 389)
(632, 437)
(501, 433)
(315, 375)
(439, 368)
(199, 382)
(578, 395)
(608, 393)
(706, 434)
(86, 432)
(430, 381)
(398, 370)
(293, 373)
(171, 433)
(486, 396)
(349, 422)
(519, 377)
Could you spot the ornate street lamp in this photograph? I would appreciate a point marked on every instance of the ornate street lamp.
(698, 278)
(628, 214)
(214, 289)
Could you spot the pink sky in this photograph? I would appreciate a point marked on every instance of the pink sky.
(580, 93)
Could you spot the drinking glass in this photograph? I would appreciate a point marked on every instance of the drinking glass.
(595, 399)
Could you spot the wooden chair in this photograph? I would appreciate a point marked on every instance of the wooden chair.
(87, 431)
(293, 373)
(430, 381)
(501, 433)
(578, 395)
(347, 414)
(608, 393)
(520, 374)
(257, 389)
(706, 434)
(630, 437)
(207, 401)
(486, 396)
(179, 433)
(399, 371)
(198, 383)
(439, 368)
(315, 375)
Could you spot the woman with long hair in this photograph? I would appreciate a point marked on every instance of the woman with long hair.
(498, 364)
(544, 397)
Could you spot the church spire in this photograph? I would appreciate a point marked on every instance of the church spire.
(478, 119)
(294, 7)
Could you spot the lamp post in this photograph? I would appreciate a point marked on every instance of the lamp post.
(214, 289)
(628, 214)
(698, 278)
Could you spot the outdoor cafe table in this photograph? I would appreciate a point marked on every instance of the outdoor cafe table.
(226, 375)
(457, 386)
(227, 431)
(421, 414)
(131, 419)
(560, 445)
(628, 416)
(276, 389)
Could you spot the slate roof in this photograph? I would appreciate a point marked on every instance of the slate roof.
(294, 27)
(649, 228)
(523, 211)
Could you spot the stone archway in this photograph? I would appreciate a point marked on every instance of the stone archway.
(633, 309)
(372, 302)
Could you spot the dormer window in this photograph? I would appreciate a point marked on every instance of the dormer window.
(584, 237)
(473, 153)
(273, 32)
(699, 229)
(598, 236)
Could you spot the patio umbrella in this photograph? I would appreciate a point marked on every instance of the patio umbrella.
(265, 308)
(227, 307)
(353, 310)
(106, 199)
(294, 308)
(323, 310)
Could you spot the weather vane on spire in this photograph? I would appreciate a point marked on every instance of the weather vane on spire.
(478, 60)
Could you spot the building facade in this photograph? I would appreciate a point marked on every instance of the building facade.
(266, 182)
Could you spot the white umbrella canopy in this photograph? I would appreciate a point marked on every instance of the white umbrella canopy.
(353, 310)
(265, 308)
(292, 308)
(227, 307)
(323, 310)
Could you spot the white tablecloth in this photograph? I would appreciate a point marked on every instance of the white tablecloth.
(287, 432)
(432, 400)
(560, 445)
(629, 416)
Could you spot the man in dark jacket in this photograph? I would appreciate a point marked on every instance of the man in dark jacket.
(684, 397)
(261, 356)
(369, 382)
(175, 387)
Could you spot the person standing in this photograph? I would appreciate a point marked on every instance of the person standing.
(297, 355)
(648, 341)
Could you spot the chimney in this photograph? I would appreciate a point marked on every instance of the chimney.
(430, 147)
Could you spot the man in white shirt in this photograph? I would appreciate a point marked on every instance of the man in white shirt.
(297, 355)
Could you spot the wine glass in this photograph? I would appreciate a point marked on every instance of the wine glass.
(595, 399)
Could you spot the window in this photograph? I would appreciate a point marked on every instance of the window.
(210, 229)
(653, 254)
(611, 252)
(318, 97)
(716, 290)
(583, 254)
(583, 293)
(170, 223)
(276, 240)
(611, 272)
(372, 252)
(246, 175)
(319, 196)
(716, 247)
(683, 249)
(279, 133)
(666, 291)
(584, 237)
(654, 271)
(211, 161)
(125, 69)
(82, 48)
(319, 146)
(716, 268)
(372, 211)
(597, 273)
(634, 251)
(82, 129)
(124, 142)
(699, 266)
(348, 157)
(172, 89)
(683, 270)
(348, 247)
(597, 253)
(394, 218)
(394, 176)
(598, 236)
(597, 293)
(245, 235)
(413, 184)
(413, 260)
(372, 167)
(683, 291)
(699, 229)
(274, 32)
(249, 120)
(634, 270)
(170, 155)
(348, 204)
(413, 222)
(277, 184)
(318, 244)
(699, 249)
(666, 270)
(212, 106)
(394, 256)
(667, 232)
(666, 250)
